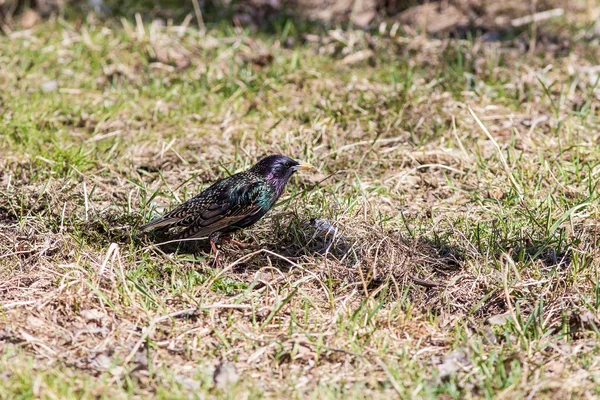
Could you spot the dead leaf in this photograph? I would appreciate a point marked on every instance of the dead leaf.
(497, 194)
(433, 18)
(170, 55)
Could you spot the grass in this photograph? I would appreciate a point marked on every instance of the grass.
(104, 125)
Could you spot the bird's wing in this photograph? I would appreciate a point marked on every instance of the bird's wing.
(185, 213)
(203, 215)
(164, 221)
(218, 218)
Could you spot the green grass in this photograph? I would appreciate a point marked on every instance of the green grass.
(406, 176)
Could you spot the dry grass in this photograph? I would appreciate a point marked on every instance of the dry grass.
(463, 264)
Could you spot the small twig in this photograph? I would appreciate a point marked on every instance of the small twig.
(32, 340)
(509, 305)
(6, 306)
(112, 250)
(166, 148)
(534, 24)
(62, 217)
(460, 144)
(17, 252)
(362, 280)
(85, 199)
(231, 306)
(140, 26)
(540, 16)
(199, 18)
(8, 181)
(425, 283)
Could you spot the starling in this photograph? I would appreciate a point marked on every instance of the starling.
(230, 204)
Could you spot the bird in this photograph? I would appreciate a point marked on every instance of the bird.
(230, 204)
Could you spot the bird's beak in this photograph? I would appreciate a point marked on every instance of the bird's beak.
(304, 167)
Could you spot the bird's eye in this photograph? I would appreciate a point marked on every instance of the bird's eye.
(287, 164)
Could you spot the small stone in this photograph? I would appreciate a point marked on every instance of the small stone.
(554, 366)
(29, 19)
(453, 363)
(92, 315)
(226, 375)
(499, 319)
(49, 86)
(101, 362)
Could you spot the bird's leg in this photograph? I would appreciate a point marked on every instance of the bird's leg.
(215, 251)
(237, 243)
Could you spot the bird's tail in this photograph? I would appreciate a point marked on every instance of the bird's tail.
(155, 224)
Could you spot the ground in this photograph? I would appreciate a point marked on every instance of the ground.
(447, 247)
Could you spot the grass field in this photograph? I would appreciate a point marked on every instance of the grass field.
(462, 173)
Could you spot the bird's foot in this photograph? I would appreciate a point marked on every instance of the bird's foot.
(237, 243)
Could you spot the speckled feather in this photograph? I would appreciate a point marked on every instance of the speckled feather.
(230, 204)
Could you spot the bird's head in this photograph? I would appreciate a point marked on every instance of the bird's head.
(279, 168)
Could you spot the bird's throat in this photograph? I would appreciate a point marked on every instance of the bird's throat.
(278, 184)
